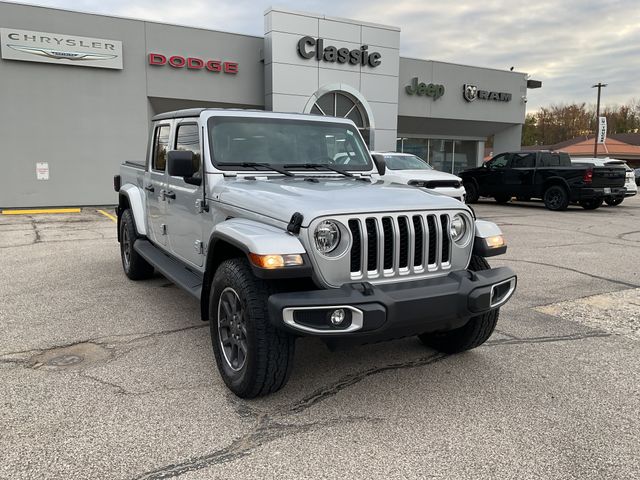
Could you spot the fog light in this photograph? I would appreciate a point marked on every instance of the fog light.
(337, 317)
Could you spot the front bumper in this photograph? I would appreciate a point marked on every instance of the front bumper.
(375, 313)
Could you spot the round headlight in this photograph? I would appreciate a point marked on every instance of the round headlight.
(458, 228)
(327, 236)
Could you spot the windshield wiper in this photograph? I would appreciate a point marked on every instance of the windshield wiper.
(268, 166)
(317, 166)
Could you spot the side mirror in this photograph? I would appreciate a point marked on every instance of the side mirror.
(180, 163)
(379, 162)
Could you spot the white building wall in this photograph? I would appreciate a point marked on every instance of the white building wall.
(292, 83)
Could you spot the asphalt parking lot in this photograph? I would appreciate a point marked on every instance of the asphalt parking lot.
(102, 377)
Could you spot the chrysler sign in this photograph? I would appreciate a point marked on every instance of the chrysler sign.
(58, 48)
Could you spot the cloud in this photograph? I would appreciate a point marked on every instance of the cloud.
(569, 45)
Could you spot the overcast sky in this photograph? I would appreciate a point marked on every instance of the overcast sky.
(568, 44)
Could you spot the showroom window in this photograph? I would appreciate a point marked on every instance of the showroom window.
(446, 155)
(341, 104)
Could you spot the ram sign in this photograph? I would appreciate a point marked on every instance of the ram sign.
(62, 49)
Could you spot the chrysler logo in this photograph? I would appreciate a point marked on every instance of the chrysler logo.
(60, 54)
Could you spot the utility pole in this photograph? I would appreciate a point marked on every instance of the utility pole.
(599, 86)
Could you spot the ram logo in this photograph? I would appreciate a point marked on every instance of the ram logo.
(470, 92)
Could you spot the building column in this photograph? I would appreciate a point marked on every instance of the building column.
(508, 140)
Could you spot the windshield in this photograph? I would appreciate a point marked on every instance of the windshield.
(406, 162)
(279, 142)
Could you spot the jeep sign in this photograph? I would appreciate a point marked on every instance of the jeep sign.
(430, 90)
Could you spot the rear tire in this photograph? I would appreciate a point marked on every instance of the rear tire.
(612, 202)
(253, 357)
(135, 267)
(474, 333)
(472, 192)
(502, 199)
(592, 204)
(556, 198)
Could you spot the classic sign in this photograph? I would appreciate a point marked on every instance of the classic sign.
(430, 90)
(193, 63)
(30, 46)
(471, 93)
(333, 54)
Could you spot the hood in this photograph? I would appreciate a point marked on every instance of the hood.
(281, 197)
(420, 175)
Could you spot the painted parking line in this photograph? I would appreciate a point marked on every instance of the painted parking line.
(109, 216)
(40, 211)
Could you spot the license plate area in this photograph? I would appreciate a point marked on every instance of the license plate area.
(607, 190)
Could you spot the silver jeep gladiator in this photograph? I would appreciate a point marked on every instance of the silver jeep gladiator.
(274, 223)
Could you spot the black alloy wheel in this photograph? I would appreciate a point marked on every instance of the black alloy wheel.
(232, 329)
(556, 198)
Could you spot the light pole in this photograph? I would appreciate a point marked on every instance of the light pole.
(599, 86)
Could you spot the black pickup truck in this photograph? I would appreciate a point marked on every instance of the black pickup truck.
(546, 175)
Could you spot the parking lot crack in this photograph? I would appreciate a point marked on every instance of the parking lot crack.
(350, 380)
(559, 338)
(569, 269)
(265, 431)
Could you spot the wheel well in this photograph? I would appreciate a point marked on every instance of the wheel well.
(123, 204)
(219, 251)
(553, 182)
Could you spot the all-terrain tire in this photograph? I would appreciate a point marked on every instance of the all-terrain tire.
(269, 352)
(502, 199)
(474, 333)
(591, 204)
(135, 267)
(556, 198)
(472, 192)
(612, 202)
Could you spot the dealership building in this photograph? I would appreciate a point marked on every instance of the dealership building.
(77, 92)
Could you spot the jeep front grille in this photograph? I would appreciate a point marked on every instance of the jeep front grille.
(392, 245)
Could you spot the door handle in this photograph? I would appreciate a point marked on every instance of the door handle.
(170, 194)
(149, 188)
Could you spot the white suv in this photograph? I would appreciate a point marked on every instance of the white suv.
(412, 170)
(629, 183)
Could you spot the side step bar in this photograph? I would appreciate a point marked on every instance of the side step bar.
(171, 268)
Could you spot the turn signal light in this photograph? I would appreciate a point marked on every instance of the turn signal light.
(275, 261)
(495, 241)
(588, 176)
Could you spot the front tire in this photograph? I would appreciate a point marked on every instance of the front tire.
(474, 333)
(253, 357)
(613, 202)
(591, 204)
(135, 267)
(556, 198)
(472, 192)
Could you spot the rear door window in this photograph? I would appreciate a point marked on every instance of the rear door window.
(160, 147)
(549, 160)
(523, 160)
